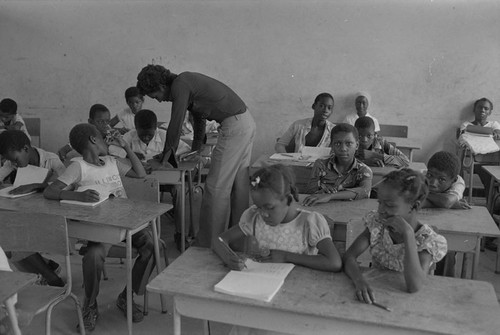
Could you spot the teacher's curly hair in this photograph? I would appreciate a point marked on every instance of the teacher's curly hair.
(152, 76)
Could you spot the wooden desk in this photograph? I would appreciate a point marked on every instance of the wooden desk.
(463, 229)
(109, 222)
(317, 302)
(10, 284)
(406, 144)
(494, 171)
(379, 172)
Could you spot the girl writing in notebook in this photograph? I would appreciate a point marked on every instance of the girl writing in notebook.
(276, 230)
(397, 240)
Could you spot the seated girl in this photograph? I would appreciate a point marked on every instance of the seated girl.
(397, 240)
(311, 132)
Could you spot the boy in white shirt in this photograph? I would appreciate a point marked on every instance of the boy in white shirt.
(95, 167)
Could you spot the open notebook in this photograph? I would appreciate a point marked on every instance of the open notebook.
(307, 154)
(103, 196)
(27, 175)
(260, 281)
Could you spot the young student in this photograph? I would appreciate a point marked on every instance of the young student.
(100, 117)
(10, 119)
(15, 146)
(312, 132)
(397, 240)
(95, 167)
(134, 100)
(362, 104)
(341, 176)
(482, 110)
(374, 150)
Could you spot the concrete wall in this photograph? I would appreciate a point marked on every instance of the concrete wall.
(423, 62)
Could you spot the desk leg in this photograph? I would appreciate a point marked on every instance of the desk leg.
(192, 223)
(471, 180)
(475, 263)
(177, 320)
(129, 282)
(11, 310)
(465, 265)
(156, 239)
(489, 200)
(183, 214)
(497, 267)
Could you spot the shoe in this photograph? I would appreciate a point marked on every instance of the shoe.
(121, 303)
(90, 316)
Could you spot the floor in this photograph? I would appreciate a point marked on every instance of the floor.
(112, 321)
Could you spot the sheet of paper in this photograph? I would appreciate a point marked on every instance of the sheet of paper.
(251, 286)
(317, 152)
(278, 270)
(30, 175)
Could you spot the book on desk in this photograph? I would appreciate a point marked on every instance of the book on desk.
(260, 281)
(27, 175)
(104, 195)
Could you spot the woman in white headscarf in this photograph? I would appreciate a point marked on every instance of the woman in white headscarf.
(362, 104)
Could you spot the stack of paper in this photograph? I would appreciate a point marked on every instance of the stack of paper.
(307, 154)
(103, 196)
(27, 175)
(260, 281)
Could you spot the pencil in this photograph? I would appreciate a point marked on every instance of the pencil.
(228, 248)
(287, 155)
(381, 306)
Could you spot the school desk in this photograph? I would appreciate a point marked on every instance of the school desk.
(318, 302)
(406, 144)
(109, 222)
(379, 172)
(462, 229)
(10, 284)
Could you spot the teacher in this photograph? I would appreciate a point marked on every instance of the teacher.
(227, 185)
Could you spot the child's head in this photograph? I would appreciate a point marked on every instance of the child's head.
(323, 106)
(366, 130)
(362, 102)
(401, 192)
(442, 171)
(100, 117)
(8, 108)
(155, 81)
(482, 109)
(273, 191)
(84, 135)
(14, 146)
(344, 142)
(134, 99)
(145, 122)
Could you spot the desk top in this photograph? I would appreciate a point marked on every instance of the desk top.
(493, 170)
(13, 282)
(117, 212)
(444, 305)
(382, 171)
(475, 221)
(405, 142)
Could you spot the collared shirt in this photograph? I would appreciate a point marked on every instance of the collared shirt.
(351, 119)
(15, 119)
(457, 188)
(392, 155)
(490, 124)
(126, 117)
(357, 179)
(298, 131)
(153, 148)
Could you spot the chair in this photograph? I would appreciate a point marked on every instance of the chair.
(389, 130)
(33, 127)
(45, 233)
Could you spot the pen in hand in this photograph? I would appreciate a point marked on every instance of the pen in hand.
(228, 248)
(381, 306)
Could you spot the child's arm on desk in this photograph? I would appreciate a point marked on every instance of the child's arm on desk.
(229, 257)
(364, 292)
(441, 200)
(57, 191)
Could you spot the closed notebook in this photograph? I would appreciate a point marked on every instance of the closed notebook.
(103, 196)
(27, 175)
(259, 281)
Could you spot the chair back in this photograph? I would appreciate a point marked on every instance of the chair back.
(34, 232)
(33, 127)
(147, 189)
(389, 130)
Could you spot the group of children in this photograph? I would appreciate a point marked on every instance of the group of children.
(274, 228)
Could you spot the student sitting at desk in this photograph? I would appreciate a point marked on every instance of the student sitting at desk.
(96, 168)
(341, 176)
(396, 239)
(374, 150)
(10, 119)
(276, 231)
(15, 146)
(311, 132)
(362, 104)
(482, 110)
(134, 100)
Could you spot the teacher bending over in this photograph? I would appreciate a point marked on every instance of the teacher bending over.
(226, 188)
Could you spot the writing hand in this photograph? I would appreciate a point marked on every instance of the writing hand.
(364, 292)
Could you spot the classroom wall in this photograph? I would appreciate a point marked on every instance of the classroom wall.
(423, 62)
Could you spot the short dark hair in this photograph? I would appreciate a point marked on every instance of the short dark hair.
(152, 76)
(483, 99)
(79, 136)
(97, 108)
(324, 95)
(132, 92)
(344, 128)
(13, 140)
(410, 184)
(364, 122)
(145, 119)
(446, 162)
(8, 106)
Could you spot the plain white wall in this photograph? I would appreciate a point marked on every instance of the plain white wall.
(423, 62)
